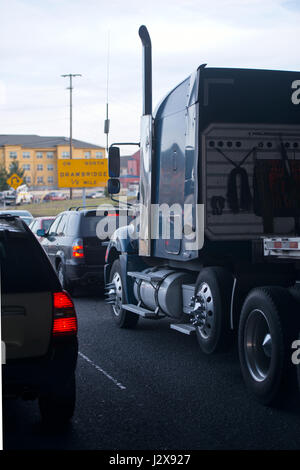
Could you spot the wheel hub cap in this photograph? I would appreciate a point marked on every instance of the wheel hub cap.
(115, 293)
(203, 314)
(267, 345)
(258, 345)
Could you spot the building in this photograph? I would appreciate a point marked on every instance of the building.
(38, 155)
(130, 170)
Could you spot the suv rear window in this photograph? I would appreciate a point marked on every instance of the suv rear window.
(24, 265)
(88, 225)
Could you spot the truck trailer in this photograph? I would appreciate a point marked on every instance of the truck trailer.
(224, 147)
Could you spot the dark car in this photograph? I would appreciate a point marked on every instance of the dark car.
(24, 215)
(74, 249)
(39, 325)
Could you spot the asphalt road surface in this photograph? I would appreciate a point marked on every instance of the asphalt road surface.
(152, 388)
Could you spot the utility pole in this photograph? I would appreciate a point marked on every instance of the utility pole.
(106, 121)
(71, 75)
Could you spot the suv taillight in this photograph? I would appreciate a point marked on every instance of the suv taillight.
(77, 248)
(65, 321)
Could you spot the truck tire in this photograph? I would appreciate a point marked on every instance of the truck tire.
(268, 326)
(66, 285)
(214, 289)
(122, 318)
(295, 292)
(57, 407)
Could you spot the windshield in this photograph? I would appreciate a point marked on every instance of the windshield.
(24, 266)
(247, 96)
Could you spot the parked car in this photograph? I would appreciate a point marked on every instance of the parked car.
(39, 325)
(24, 215)
(55, 196)
(40, 223)
(74, 249)
(90, 195)
(100, 193)
(9, 197)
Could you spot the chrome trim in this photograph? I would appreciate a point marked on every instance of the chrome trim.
(145, 185)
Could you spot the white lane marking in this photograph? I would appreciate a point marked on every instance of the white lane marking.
(118, 384)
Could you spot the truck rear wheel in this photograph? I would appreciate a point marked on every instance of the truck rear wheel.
(212, 297)
(295, 292)
(268, 325)
(123, 318)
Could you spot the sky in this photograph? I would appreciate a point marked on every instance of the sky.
(42, 39)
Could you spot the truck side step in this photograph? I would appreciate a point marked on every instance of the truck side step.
(143, 312)
(185, 328)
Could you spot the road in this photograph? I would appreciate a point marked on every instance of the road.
(152, 388)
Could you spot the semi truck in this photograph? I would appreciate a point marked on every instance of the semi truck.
(224, 146)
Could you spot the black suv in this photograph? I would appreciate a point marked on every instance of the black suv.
(39, 325)
(74, 249)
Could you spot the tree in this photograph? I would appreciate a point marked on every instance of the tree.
(3, 177)
(15, 169)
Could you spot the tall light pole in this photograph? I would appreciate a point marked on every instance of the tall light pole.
(106, 121)
(71, 75)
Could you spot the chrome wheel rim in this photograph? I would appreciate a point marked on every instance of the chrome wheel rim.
(258, 345)
(205, 303)
(118, 290)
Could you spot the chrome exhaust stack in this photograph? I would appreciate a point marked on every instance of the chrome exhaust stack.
(147, 70)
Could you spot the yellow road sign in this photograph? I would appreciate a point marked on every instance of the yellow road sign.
(82, 173)
(14, 181)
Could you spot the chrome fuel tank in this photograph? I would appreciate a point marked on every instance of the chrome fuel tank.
(164, 292)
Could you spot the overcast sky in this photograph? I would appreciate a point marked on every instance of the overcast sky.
(42, 39)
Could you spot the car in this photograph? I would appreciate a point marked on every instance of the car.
(24, 215)
(40, 223)
(98, 194)
(74, 249)
(55, 196)
(9, 197)
(39, 326)
(90, 195)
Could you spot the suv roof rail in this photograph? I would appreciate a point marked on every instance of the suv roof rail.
(80, 207)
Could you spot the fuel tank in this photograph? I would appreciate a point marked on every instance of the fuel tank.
(162, 291)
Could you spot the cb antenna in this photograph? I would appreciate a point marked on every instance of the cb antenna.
(106, 121)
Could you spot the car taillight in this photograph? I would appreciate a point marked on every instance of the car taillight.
(77, 248)
(65, 321)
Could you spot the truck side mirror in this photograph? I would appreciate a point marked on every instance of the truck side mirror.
(114, 162)
(113, 186)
